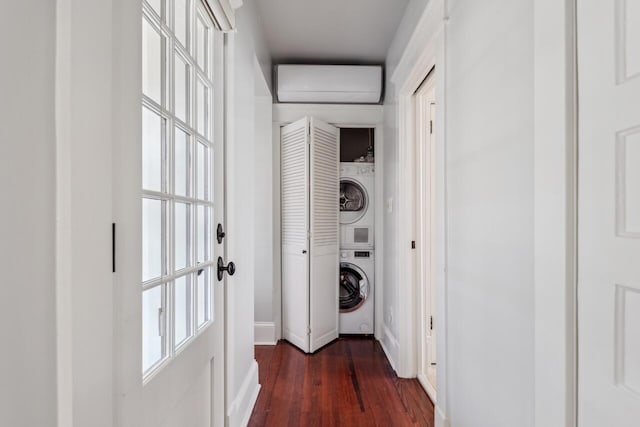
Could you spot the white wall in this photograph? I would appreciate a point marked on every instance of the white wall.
(245, 46)
(489, 115)
(489, 162)
(27, 218)
(264, 214)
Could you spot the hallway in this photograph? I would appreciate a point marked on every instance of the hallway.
(347, 383)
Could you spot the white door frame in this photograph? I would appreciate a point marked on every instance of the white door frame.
(425, 50)
(341, 116)
(555, 190)
(425, 211)
(555, 217)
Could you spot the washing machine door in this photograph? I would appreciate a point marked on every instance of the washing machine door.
(354, 287)
(354, 201)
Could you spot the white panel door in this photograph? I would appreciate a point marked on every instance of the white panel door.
(295, 229)
(324, 227)
(609, 213)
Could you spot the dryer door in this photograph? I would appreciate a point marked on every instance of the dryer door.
(354, 287)
(354, 201)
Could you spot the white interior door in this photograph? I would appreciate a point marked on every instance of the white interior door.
(431, 299)
(169, 195)
(324, 260)
(425, 226)
(310, 233)
(609, 213)
(295, 229)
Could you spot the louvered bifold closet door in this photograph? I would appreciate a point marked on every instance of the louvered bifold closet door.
(295, 227)
(324, 240)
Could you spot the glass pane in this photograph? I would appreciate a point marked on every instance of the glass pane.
(201, 43)
(210, 175)
(152, 327)
(182, 308)
(203, 295)
(181, 88)
(156, 5)
(201, 108)
(181, 167)
(181, 20)
(181, 216)
(151, 62)
(202, 233)
(151, 239)
(201, 170)
(151, 150)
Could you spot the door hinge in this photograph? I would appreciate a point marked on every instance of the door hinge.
(431, 126)
(309, 330)
(413, 244)
(431, 323)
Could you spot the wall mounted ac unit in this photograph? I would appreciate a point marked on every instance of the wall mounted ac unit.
(329, 84)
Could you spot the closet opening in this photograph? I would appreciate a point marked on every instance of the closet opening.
(357, 224)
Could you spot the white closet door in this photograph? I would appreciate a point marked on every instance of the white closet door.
(295, 227)
(324, 260)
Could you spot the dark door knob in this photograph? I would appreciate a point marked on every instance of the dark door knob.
(229, 268)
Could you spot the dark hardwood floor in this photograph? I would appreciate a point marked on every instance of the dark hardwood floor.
(347, 383)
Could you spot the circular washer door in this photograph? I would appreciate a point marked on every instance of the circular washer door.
(354, 287)
(354, 201)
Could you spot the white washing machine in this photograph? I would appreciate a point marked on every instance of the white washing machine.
(357, 207)
(356, 291)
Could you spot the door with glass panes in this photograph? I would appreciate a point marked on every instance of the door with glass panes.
(182, 300)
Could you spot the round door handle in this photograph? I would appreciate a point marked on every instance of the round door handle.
(229, 268)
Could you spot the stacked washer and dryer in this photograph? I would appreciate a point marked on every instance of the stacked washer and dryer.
(357, 248)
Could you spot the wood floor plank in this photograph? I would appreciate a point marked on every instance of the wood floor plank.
(347, 383)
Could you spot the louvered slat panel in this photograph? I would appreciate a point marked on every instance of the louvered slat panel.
(295, 224)
(324, 187)
(324, 262)
(294, 183)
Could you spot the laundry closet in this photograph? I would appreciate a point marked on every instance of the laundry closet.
(328, 219)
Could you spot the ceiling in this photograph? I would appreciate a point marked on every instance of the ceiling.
(330, 31)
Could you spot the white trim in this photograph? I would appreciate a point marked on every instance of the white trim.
(242, 405)
(277, 241)
(222, 12)
(555, 169)
(64, 291)
(265, 333)
(389, 345)
(428, 387)
(379, 238)
(340, 116)
(84, 316)
(439, 417)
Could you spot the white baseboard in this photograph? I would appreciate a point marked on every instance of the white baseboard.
(389, 345)
(242, 405)
(428, 388)
(440, 419)
(265, 333)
